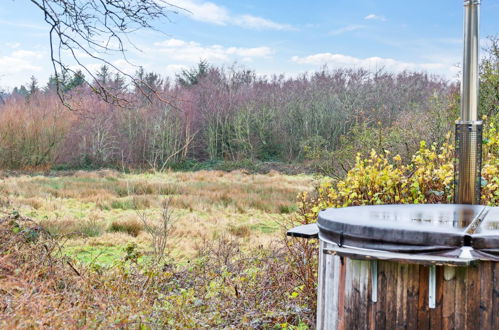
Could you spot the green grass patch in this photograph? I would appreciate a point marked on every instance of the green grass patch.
(266, 227)
(286, 209)
(123, 204)
(216, 164)
(55, 184)
(104, 256)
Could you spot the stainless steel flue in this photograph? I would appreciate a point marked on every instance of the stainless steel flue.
(469, 128)
(469, 91)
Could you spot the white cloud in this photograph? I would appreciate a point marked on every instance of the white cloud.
(259, 23)
(444, 68)
(209, 12)
(172, 69)
(348, 28)
(19, 61)
(10, 65)
(26, 54)
(24, 25)
(18, 66)
(192, 52)
(125, 66)
(171, 43)
(375, 17)
(13, 45)
(250, 52)
(204, 11)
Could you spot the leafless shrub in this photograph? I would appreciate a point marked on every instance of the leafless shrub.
(302, 256)
(160, 231)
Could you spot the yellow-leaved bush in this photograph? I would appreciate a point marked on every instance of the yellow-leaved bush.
(385, 179)
(490, 168)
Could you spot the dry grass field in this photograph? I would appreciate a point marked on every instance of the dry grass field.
(97, 214)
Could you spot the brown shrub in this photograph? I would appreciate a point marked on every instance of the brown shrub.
(34, 202)
(240, 230)
(131, 227)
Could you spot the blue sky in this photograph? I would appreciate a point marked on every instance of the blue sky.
(271, 37)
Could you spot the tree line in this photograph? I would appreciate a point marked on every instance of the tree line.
(230, 113)
(214, 113)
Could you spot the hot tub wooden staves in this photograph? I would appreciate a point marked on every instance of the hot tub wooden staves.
(466, 292)
(407, 267)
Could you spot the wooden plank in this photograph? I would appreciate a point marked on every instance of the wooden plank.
(341, 294)
(449, 295)
(371, 306)
(355, 302)
(365, 268)
(486, 294)
(331, 290)
(398, 295)
(403, 302)
(436, 313)
(351, 274)
(320, 286)
(391, 295)
(495, 303)
(472, 298)
(401, 317)
(460, 298)
(380, 307)
(413, 296)
(365, 254)
(423, 310)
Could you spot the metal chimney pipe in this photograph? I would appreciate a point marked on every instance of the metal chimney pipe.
(469, 88)
(469, 129)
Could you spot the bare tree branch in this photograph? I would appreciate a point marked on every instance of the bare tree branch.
(94, 29)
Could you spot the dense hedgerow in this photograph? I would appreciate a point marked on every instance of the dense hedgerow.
(382, 178)
(224, 287)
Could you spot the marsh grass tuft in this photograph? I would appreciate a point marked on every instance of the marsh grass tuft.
(242, 231)
(123, 204)
(131, 227)
(74, 227)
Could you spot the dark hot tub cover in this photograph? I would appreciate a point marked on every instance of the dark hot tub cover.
(437, 229)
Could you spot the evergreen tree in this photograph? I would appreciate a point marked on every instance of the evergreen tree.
(103, 75)
(22, 91)
(58, 82)
(147, 83)
(78, 79)
(192, 76)
(119, 83)
(33, 86)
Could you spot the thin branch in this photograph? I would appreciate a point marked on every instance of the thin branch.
(98, 28)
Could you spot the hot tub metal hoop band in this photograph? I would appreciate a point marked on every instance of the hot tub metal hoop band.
(432, 286)
(374, 280)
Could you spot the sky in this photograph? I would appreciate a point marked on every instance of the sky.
(271, 37)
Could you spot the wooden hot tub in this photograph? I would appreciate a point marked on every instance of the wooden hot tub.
(407, 266)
